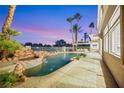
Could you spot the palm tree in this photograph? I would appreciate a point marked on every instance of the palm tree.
(76, 29)
(6, 31)
(91, 26)
(10, 33)
(78, 17)
(70, 19)
(9, 18)
(85, 36)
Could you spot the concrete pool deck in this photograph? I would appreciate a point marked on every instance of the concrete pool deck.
(89, 72)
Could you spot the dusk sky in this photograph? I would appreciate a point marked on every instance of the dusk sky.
(46, 24)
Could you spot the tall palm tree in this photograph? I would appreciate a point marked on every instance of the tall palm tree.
(76, 29)
(9, 18)
(91, 26)
(6, 27)
(10, 33)
(70, 19)
(85, 37)
(78, 17)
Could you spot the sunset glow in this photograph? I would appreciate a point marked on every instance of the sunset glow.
(46, 24)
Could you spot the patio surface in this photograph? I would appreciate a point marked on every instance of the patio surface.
(89, 72)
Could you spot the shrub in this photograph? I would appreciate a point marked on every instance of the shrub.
(78, 57)
(9, 34)
(8, 79)
(9, 46)
(82, 54)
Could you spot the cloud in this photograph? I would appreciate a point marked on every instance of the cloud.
(42, 34)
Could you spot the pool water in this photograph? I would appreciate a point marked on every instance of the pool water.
(51, 64)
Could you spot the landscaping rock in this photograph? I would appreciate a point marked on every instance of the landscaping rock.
(9, 59)
(4, 60)
(19, 68)
(23, 78)
(15, 59)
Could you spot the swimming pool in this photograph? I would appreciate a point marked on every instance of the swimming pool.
(51, 64)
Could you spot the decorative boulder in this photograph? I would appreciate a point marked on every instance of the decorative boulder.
(23, 78)
(9, 59)
(4, 60)
(19, 68)
(15, 59)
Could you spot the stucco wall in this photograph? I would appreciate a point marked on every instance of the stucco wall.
(116, 68)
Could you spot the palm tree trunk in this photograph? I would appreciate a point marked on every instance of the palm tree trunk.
(76, 39)
(72, 37)
(72, 40)
(9, 18)
(91, 31)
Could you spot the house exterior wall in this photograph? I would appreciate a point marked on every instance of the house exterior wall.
(114, 63)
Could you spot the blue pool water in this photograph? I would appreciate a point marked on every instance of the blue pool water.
(50, 64)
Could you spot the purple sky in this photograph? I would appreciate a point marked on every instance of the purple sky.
(46, 24)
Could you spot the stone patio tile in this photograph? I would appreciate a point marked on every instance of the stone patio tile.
(82, 74)
(100, 82)
(90, 67)
(72, 82)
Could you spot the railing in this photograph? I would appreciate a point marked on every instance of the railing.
(51, 49)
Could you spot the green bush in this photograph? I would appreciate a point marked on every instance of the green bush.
(78, 57)
(82, 54)
(9, 46)
(8, 79)
(9, 34)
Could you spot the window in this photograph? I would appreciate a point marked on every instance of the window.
(112, 34)
(115, 16)
(106, 43)
(105, 33)
(114, 26)
(115, 40)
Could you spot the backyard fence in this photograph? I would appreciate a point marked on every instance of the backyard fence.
(51, 49)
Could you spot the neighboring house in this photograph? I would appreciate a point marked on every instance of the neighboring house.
(27, 46)
(94, 43)
(110, 27)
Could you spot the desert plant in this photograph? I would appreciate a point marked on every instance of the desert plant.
(70, 19)
(76, 30)
(78, 57)
(78, 17)
(8, 79)
(9, 18)
(91, 26)
(9, 34)
(8, 46)
(82, 54)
